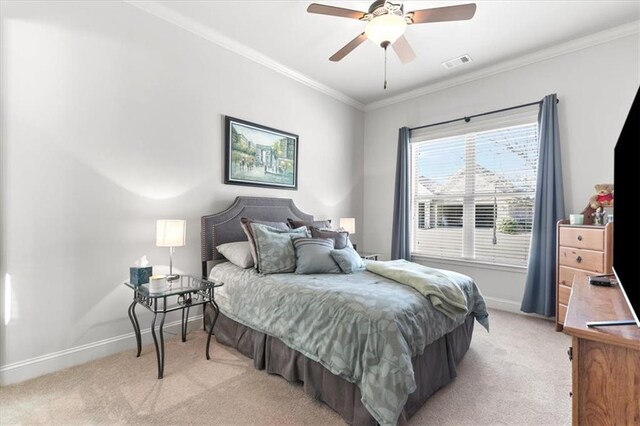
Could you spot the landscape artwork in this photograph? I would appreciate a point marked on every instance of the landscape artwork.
(256, 155)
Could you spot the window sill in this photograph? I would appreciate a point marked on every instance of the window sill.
(471, 263)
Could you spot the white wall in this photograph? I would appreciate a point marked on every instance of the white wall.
(595, 86)
(112, 119)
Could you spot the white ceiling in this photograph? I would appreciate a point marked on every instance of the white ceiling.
(500, 30)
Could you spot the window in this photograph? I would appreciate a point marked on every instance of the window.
(473, 191)
(486, 215)
(422, 219)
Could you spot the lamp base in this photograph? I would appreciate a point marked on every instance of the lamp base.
(173, 277)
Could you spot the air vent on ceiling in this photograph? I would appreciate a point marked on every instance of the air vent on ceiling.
(461, 60)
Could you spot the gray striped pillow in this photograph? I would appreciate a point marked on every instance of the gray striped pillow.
(313, 256)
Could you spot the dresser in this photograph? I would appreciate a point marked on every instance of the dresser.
(582, 250)
(605, 361)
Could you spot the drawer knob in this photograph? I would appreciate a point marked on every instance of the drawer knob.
(579, 259)
(579, 237)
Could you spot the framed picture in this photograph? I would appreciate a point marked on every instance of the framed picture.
(256, 155)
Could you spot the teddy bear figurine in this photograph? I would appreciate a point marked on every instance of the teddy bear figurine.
(604, 196)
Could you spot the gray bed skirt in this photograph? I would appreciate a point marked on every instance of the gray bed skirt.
(433, 369)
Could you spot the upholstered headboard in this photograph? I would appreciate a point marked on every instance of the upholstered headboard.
(224, 227)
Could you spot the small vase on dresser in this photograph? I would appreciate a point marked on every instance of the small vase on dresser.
(582, 250)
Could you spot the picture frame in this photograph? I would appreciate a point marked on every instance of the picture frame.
(257, 155)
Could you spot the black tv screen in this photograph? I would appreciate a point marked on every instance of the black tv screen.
(626, 210)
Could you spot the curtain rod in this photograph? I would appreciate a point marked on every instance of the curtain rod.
(468, 118)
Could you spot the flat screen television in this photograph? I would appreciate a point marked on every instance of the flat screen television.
(626, 210)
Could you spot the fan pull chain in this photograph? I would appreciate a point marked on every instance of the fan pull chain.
(385, 68)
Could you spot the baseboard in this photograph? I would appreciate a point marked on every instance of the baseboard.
(510, 306)
(503, 304)
(34, 367)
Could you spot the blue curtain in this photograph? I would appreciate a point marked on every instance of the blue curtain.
(540, 287)
(401, 221)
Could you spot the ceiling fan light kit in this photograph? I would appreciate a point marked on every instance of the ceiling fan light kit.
(385, 29)
(387, 22)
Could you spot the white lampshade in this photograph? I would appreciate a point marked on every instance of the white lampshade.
(171, 233)
(383, 28)
(348, 224)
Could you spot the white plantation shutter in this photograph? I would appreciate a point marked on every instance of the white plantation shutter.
(473, 191)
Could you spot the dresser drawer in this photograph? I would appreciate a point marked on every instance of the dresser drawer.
(582, 238)
(583, 259)
(566, 275)
(563, 294)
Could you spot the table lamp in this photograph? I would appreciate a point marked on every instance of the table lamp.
(171, 233)
(349, 225)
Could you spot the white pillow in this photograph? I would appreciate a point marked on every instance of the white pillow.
(238, 253)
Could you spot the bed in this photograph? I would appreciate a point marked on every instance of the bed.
(370, 348)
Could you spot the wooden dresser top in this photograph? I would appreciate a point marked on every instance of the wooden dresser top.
(594, 303)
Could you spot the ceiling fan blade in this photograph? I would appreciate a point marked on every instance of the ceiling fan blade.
(442, 14)
(334, 11)
(348, 48)
(403, 50)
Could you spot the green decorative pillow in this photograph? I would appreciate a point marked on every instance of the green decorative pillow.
(313, 256)
(276, 253)
(246, 227)
(348, 259)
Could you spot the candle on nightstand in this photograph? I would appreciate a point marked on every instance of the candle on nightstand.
(157, 283)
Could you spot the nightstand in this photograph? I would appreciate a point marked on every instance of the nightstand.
(188, 292)
(369, 256)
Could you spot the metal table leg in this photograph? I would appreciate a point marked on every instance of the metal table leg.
(159, 348)
(162, 345)
(214, 305)
(185, 321)
(136, 326)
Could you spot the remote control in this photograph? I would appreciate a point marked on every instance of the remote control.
(601, 281)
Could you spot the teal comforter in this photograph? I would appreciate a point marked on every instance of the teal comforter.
(362, 327)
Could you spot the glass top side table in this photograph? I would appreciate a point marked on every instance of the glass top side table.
(369, 256)
(180, 294)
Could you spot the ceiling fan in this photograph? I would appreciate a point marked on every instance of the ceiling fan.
(387, 22)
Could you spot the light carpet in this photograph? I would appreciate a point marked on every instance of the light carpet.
(518, 374)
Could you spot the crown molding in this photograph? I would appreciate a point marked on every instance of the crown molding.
(201, 30)
(541, 55)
